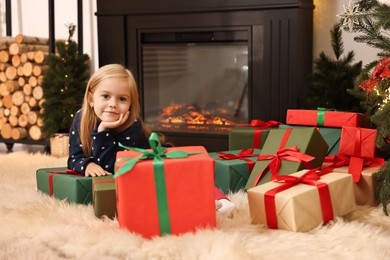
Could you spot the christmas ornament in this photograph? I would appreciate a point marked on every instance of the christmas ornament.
(349, 15)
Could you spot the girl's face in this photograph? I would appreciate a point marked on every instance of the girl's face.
(110, 99)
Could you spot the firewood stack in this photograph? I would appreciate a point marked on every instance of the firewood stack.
(23, 63)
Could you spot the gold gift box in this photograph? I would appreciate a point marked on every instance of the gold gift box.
(365, 188)
(298, 208)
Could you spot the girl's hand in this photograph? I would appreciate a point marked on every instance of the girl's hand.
(94, 170)
(112, 125)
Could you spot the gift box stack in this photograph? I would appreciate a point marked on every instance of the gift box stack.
(325, 143)
(356, 154)
(64, 184)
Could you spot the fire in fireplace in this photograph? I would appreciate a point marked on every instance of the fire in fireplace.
(195, 81)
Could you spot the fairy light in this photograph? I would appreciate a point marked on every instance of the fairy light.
(385, 97)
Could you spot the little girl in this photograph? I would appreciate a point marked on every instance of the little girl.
(110, 114)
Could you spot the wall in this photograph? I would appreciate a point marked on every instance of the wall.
(31, 18)
(325, 16)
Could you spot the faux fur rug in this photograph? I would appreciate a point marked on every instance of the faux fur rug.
(35, 226)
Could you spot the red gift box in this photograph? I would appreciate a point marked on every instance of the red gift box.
(182, 202)
(325, 118)
(358, 142)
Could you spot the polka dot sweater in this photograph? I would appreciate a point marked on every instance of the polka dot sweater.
(104, 145)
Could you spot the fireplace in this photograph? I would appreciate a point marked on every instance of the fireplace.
(195, 81)
(203, 67)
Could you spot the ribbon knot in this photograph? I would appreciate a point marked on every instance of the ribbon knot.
(240, 156)
(288, 154)
(243, 153)
(157, 153)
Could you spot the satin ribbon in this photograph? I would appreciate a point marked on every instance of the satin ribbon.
(321, 115)
(260, 125)
(51, 192)
(358, 143)
(288, 154)
(311, 177)
(355, 164)
(157, 153)
(239, 156)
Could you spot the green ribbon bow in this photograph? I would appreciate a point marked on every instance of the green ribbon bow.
(157, 153)
(321, 115)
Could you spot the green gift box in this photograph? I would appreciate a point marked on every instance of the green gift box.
(104, 196)
(330, 134)
(232, 168)
(279, 148)
(251, 135)
(62, 183)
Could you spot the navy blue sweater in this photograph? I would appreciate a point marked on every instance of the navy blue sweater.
(104, 145)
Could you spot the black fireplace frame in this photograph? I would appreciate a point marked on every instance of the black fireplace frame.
(280, 47)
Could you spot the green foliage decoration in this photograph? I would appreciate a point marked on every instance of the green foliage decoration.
(63, 86)
(331, 78)
(370, 20)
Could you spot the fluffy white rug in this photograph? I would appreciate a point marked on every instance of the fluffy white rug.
(35, 226)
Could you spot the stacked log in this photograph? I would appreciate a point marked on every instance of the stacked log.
(23, 63)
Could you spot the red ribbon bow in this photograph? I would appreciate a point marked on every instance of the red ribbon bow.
(239, 156)
(288, 154)
(311, 177)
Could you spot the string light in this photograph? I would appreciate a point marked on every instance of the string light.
(385, 97)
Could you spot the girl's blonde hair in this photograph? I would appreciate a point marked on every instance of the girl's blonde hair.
(89, 120)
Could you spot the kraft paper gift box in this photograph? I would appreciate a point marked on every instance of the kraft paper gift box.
(165, 195)
(310, 146)
(365, 188)
(331, 135)
(301, 207)
(363, 175)
(104, 196)
(251, 135)
(232, 168)
(323, 117)
(62, 183)
(358, 142)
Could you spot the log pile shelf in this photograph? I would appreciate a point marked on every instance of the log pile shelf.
(23, 63)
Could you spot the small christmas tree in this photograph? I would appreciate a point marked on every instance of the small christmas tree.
(64, 85)
(371, 20)
(333, 77)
